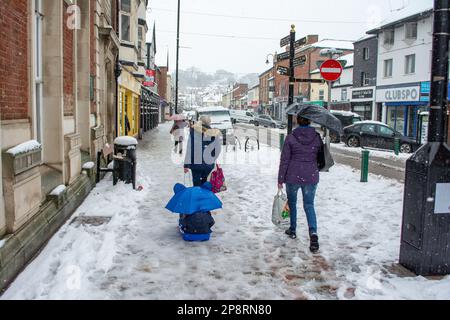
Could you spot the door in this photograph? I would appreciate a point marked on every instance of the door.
(386, 138)
(369, 136)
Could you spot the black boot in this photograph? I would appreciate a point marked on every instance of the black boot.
(314, 243)
(291, 234)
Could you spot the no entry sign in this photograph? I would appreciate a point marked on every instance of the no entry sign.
(331, 70)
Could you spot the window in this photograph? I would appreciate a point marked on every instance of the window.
(388, 68)
(364, 80)
(321, 95)
(125, 26)
(38, 77)
(411, 31)
(369, 128)
(140, 42)
(385, 131)
(366, 54)
(344, 94)
(389, 37)
(410, 64)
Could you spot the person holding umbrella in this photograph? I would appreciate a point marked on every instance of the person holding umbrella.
(299, 171)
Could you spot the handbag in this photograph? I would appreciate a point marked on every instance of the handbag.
(217, 179)
(280, 209)
(324, 158)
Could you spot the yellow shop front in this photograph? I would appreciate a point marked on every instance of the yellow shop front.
(128, 108)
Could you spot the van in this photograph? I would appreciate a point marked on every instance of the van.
(242, 116)
(220, 119)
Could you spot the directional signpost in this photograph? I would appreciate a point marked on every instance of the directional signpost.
(285, 41)
(284, 71)
(283, 56)
(300, 61)
(301, 42)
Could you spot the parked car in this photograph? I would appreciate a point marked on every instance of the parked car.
(242, 116)
(347, 119)
(378, 135)
(267, 121)
(220, 119)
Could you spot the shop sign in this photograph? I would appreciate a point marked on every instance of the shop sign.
(149, 78)
(362, 94)
(425, 90)
(404, 94)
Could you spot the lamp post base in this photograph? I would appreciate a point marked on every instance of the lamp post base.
(425, 239)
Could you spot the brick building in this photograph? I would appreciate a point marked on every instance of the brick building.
(57, 107)
(239, 92)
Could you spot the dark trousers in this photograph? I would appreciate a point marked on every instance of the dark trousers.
(199, 177)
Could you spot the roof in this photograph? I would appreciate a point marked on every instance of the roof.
(366, 37)
(330, 43)
(413, 11)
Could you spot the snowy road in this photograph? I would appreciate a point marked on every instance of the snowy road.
(136, 252)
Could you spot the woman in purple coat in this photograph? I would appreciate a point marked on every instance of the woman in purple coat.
(299, 170)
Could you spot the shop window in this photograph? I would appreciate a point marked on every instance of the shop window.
(388, 68)
(410, 64)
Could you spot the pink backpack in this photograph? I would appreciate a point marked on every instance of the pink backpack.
(217, 180)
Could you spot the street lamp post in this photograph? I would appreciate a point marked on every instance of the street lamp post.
(426, 209)
(178, 56)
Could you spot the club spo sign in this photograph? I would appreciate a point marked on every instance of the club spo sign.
(403, 94)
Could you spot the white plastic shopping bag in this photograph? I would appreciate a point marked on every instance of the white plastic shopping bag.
(280, 209)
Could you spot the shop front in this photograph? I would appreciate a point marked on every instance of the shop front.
(362, 103)
(401, 107)
(128, 105)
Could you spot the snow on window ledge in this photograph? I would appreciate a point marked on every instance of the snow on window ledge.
(25, 147)
(88, 165)
(58, 190)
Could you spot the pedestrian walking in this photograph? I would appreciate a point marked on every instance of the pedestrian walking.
(203, 150)
(299, 171)
(177, 131)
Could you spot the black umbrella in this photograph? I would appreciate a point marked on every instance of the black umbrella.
(317, 114)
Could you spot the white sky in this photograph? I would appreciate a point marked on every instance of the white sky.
(242, 56)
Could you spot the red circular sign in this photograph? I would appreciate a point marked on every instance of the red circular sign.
(331, 70)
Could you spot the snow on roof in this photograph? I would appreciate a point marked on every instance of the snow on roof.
(371, 122)
(366, 37)
(331, 43)
(25, 147)
(126, 141)
(413, 9)
(349, 58)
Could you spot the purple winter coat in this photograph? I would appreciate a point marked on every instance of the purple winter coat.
(298, 164)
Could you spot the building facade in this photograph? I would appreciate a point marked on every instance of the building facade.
(240, 90)
(341, 89)
(253, 98)
(364, 79)
(404, 69)
(57, 108)
(266, 91)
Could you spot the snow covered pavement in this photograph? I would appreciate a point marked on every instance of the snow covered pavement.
(123, 244)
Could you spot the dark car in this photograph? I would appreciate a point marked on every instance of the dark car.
(267, 121)
(376, 135)
(347, 119)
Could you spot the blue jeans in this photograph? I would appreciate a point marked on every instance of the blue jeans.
(309, 194)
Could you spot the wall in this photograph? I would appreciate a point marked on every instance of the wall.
(14, 82)
(316, 87)
(421, 47)
(368, 66)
